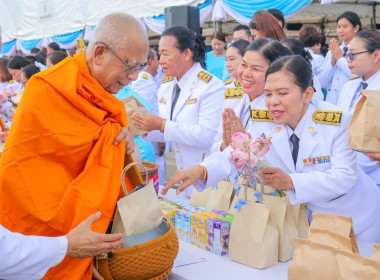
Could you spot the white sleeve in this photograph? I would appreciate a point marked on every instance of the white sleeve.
(29, 257)
(326, 75)
(336, 181)
(342, 64)
(203, 133)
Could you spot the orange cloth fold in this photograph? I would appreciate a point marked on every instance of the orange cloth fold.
(59, 163)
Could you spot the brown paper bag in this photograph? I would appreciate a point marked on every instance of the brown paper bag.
(356, 267)
(138, 211)
(241, 191)
(365, 126)
(313, 261)
(331, 239)
(199, 199)
(376, 252)
(338, 224)
(254, 236)
(132, 105)
(286, 227)
(303, 222)
(220, 196)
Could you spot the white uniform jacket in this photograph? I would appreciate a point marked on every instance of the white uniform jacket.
(147, 88)
(196, 115)
(29, 257)
(333, 78)
(345, 100)
(334, 186)
(317, 62)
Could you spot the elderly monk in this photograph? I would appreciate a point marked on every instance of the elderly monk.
(66, 148)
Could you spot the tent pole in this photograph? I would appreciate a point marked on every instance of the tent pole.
(216, 24)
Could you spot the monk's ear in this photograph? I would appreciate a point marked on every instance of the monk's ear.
(98, 53)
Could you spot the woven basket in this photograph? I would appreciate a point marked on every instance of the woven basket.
(151, 168)
(151, 260)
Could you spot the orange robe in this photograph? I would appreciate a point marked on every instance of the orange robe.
(59, 163)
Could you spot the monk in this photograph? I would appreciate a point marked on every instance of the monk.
(66, 148)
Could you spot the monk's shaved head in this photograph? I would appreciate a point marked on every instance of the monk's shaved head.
(117, 30)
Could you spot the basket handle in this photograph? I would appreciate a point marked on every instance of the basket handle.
(124, 172)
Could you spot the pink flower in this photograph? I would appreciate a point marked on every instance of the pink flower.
(3, 97)
(259, 146)
(240, 140)
(253, 160)
(240, 158)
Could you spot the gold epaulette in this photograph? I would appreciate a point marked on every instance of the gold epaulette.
(354, 77)
(230, 93)
(237, 83)
(261, 115)
(11, 81)
(327, 117)
(228, 81)
(145, 76)
(167, 79)
(204, 76)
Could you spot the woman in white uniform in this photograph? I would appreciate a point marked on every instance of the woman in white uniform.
(309, 152)
(297, 47)
(336, 72)
(364, 62)
(190, 99)
(251, 73)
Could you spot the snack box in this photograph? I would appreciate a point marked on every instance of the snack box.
(202, 236)
(194, 229)
(218, 235)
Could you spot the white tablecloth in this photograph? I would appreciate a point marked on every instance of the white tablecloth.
(208, 266)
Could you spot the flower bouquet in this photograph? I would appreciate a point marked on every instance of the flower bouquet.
(248, 156)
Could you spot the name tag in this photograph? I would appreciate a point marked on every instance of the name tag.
(191, 101)
(316, 160)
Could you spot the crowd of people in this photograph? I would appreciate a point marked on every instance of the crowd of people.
(68, 133)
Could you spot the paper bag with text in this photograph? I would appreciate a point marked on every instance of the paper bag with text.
(221, 196)
(365, 126)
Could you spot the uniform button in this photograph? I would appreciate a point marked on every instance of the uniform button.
(177, 151)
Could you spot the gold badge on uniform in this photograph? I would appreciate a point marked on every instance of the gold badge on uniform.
(327, 117)
(145, 76)
(204, 76)
(162, 100)
(277, 128)
(261, 115)
(167, 79)
(191, 101)
(228, 81)
(230, 93)
(311, 129)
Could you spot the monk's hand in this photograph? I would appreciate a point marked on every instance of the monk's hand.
(231, 124)
(95, 274)
(85, 243)
(147, 122)
(126, 135)
(374, 156)
(187, 176)
(276, 178)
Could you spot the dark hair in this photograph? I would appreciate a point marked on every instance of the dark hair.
(219, 35)
(371, 39)
(187, 39)
(17, 62)
(297, 48)
(352, 17)
(54, 46)
(252, 23)
(31, 58)
(242, 27)
(35, 50)
(41, 57)
(267, 26)
(297, 66)
(30, 70)
(4, 69)
(151, 53)
(324, 46)
(56, 57)
(241, 45)
(269, 49)
(278, 15)
(309, 36)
